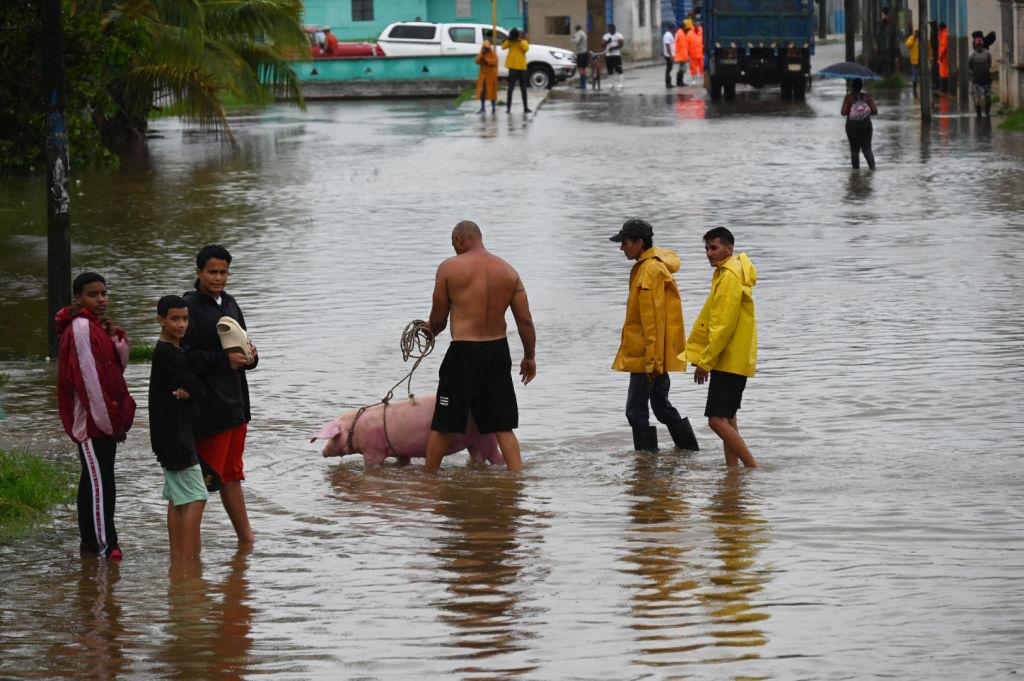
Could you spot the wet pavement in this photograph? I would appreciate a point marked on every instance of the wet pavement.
(882, 537)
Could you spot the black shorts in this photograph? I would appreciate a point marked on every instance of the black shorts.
(613, 64)
(583, 60)
(476, 377)
(725, 394)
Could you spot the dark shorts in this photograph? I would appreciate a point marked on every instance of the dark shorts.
(476, 377)
(583, 60)
(725, 394)
(613, 64)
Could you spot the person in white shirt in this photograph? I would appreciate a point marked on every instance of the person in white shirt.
(579, 42)
(613, 42)
(668, 51)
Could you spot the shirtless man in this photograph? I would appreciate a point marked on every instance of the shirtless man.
(477, 288)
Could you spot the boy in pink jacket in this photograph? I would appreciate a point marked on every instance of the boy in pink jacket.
(95, 406)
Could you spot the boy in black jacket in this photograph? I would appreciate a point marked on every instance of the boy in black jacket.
(220, 423)
(173, 388)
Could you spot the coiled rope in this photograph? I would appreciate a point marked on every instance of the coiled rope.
(417, 342)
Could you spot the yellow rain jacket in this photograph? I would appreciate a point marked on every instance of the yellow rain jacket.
(652, 335)
(724, 337)
(516, 58)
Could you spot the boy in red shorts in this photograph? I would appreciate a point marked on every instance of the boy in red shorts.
(219, 424)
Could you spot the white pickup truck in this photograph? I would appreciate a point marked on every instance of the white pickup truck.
(545, 65)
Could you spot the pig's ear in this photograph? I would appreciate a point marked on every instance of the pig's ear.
(327, 432)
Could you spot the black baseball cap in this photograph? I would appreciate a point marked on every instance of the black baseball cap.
(633, 228)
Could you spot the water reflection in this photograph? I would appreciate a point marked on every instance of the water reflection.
(98, 648)
(690, 107)
(740, 534)
(479, 556)
(662, 554)
(859, 185)
(208, 634)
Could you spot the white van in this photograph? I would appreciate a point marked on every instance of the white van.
(545, 65)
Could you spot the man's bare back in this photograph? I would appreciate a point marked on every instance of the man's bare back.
(476, 288)
(480, 287)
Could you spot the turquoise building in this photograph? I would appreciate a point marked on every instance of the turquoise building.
(365, 19)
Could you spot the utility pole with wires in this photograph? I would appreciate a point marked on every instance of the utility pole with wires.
(924, 62)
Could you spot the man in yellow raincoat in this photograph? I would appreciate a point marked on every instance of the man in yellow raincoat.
(487, 80)
(652, 338)
(723, 341)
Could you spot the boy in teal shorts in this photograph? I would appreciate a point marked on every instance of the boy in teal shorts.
(173, 389)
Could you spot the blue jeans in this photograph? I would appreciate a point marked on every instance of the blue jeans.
(642, 391)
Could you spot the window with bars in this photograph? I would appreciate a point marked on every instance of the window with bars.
(463, 9)
(362, 10)
(641, 19)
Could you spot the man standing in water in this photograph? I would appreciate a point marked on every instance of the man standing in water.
(477, 288)
(653, 338)
(221, 420)
(723, 341)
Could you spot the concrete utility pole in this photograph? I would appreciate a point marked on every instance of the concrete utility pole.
(850, 8)
(58, 196)
(924, 47)
(822, 20)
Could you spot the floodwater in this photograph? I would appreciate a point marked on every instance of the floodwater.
(883, 537)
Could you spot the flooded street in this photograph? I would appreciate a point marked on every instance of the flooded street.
(882, 538)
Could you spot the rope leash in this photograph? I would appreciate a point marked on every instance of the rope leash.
(417, 341)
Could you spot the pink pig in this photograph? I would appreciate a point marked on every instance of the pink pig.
(408, 424)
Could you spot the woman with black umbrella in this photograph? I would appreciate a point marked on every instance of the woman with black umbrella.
(859, 107)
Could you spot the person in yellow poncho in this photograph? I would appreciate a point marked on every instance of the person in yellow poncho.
(723, 341)
(652, 338)
(916, 47)
(487, 81)
(515, 62)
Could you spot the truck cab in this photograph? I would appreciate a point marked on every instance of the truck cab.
(758, 43)
(545, 65)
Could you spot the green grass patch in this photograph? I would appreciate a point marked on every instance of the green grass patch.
(29, 488)
(229, 101)
(141, 352)
(891, 82)
(1014, 121)
(464, 96)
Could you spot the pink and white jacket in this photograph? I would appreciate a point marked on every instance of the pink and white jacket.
(91, 393)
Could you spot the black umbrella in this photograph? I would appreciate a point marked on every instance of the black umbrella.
(848, 70)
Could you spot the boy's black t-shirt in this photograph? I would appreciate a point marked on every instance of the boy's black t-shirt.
(170, 419)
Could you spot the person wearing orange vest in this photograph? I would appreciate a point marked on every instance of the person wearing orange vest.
(695, 46)
(682, 53)
(943, 58)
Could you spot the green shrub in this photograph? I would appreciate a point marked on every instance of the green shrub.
(140, 352)
(890, 82)
(1014, 121)
(29, 487)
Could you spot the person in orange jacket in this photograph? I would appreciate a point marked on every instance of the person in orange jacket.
(487, 80)
(943, 58)
(695, 46)
(682, 53)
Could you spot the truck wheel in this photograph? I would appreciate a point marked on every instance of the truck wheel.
(786, 88)
(799, 85)
(715, 88)
(539, 76)
(730, 91)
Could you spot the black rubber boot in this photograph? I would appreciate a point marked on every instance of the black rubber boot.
(977, 110)
(645, 439)
(682, 435)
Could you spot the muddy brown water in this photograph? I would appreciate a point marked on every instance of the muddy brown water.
(882, 538)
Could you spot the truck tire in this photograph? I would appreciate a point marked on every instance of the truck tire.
(715, 88)
(799, 88)
(730, 90)
(786, 88)
(540, 76)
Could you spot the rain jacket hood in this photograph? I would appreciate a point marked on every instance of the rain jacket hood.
(653, 335)
(92, 396)
(724, 337)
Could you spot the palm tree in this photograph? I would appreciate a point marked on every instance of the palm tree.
(191, 54)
